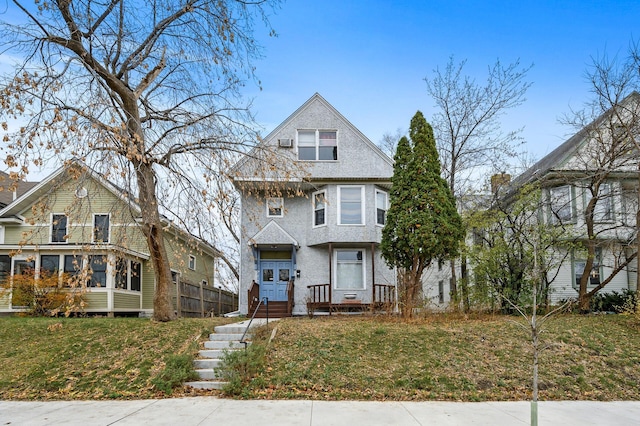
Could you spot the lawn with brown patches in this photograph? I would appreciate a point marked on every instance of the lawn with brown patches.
(378, 358)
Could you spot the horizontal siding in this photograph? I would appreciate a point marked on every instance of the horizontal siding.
(5, 299)
(95, 301)
(126, 301)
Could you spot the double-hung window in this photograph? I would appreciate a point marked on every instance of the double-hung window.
(350, 267)
(317, 145)
(275, 207)
(319, 208)
(101, 228)
(382, 205)
(128, 275)
(351, 205)
(49, 264)
(561, 204)
(192, 262)
(58, 228)
(603, 211)
(98, 266)
(594, 275)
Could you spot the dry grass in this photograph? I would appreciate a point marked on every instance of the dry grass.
(94, 358)
(444, 358)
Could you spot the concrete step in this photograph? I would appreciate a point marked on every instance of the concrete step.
(206, 363)
(208, 374)
(229, 337)
(212, 353)
(222, 345)
(230, 329)
(207, 384)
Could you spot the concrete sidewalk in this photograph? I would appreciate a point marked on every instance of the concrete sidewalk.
(216, 411)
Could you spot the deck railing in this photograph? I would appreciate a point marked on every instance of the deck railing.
(319, 294)
(253, 295)
(384, 295)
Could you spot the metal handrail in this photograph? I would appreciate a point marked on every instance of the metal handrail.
(266, 302)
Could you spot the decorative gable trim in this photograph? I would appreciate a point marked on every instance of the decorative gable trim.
(273, 234)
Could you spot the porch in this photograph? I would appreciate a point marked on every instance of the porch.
(321, 300)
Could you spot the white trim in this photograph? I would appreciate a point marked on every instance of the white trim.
(192, 257)
(386, 207)
(313, 208)
(364, 268)
(274, 202)
(317, 144)
(66, 240)
(93, 228)
(362, 205)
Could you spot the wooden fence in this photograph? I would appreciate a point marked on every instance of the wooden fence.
(199, 301)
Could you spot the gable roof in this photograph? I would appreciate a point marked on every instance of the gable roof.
(39, 189)
(6, 182)
(313, 99)
(273, 234)
(559, 156)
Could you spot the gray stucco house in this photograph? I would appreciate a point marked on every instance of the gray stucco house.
(312, 224)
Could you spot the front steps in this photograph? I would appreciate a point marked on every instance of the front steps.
(276, 310)
(225, 338)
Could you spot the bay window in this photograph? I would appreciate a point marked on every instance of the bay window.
(350, 267)
(351, 205)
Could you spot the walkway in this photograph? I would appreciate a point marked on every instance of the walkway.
(216, 411)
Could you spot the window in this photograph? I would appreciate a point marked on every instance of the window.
(561, 203)
(275, 207)
(135, 277)
(349, 270)
(101, 228)
(58, 228)
(319, 208)
(317, 145)
(594, 276)
(49, 264)
(127, 275)
(192, 262)
(382, 206)
(5, 268)
(351, 205)
(98, 266)
(440, 291)
(603, 211)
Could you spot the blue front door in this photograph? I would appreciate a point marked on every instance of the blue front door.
(274, 278)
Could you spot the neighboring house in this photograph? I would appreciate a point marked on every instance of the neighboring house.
(310, 239)
(597, 168)
(76, 222)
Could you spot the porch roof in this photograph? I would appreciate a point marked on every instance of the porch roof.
(273, 235)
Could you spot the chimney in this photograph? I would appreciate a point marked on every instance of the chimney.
(499, 181)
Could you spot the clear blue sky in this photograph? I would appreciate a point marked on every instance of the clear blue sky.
(369, 58)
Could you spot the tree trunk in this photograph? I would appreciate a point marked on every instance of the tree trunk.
(153, 232)
(453, 289)
(466, 303)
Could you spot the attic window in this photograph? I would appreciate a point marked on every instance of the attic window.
(317, 145)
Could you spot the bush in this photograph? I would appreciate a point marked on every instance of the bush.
(178, 369)
(240, 367)
(613, 301)
(44, 296)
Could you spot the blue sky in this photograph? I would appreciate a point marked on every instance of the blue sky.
(369, 58)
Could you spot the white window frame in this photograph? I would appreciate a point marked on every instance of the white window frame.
(385, 208)
(317, 143)
(93, 229)
(192, 262)
(314, 198)
(605, 201)
(553, 217)
(363, 261)
(597, 266)
(205, 283)
(65, 240)
(362, 205)
(275, 203)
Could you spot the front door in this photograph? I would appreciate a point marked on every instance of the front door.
(274, 278)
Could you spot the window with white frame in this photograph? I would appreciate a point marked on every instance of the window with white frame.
(192, 262)
(58, 228)
(561, 204)
(101, 228)
(594, 275)
(98, 271)
(603, 211)
(317, 145)
(128, 274)
(351, 205)
(275, 207)
(382, 205)
(350, 267)
(319, 208)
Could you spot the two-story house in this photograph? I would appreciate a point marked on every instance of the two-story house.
(78, 225)
(310, 239)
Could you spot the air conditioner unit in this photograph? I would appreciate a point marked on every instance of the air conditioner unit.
(285, 143)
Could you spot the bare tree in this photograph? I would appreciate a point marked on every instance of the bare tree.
(607, 167)
(389, 141)
(146, 92)
(467, 124)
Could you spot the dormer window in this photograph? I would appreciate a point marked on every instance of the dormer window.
(317, 145)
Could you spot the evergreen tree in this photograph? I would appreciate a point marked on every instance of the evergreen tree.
(423, 224)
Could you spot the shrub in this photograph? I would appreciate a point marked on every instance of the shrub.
(612, 302)
(45, 295)
(240, 367)
(178, 369)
